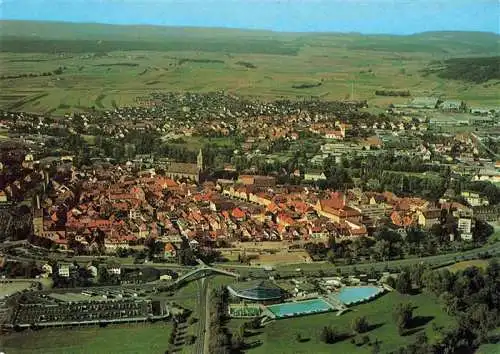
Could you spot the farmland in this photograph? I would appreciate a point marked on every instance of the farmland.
(110, 66)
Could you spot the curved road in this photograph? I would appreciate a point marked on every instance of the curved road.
(492, 249)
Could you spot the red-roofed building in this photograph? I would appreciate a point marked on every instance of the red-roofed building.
(169, 251)
(238, 214)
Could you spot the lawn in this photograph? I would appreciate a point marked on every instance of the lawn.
(280, 336)
(133, 338)
(188, 295)
(479, 263)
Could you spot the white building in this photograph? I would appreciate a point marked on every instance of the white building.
(465, 228)
(114, 270)
(64, 270)
(92, 270)
(474, 199)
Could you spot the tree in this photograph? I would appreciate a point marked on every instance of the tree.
(376, 347)
(403, 315)
(403, 282)
(359, 324)
(451, 303)
(298, 337)
(329, 335)
(382, 250)
(391, 282)
(237, 342)
(242, 330)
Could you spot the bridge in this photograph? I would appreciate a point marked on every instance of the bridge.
(202, 272)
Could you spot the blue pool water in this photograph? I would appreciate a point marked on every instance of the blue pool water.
(352, 294)
(289, 309)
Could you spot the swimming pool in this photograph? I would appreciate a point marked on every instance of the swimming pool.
(290, 309)
(354, 294)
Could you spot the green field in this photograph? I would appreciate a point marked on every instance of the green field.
(106, 66)
(137, 338)
(280, 336)
(479, 263)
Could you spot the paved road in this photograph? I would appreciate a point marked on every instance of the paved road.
(207, 317)
(492, 249)
(201, 346)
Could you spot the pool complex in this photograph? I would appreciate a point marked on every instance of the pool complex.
(355, 294)
(290, 309)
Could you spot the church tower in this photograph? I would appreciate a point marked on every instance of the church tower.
(199, 161)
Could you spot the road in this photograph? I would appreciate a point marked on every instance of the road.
(201, 346)
(492, 249)
(483, 145)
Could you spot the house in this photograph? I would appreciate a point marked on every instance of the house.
(314, 176)
(372, 142)
(169, 251)
(335, 134)
(336, 209)
(429, 217)
(474, 199)
(258, 181)
(487, 213)
(487, 175)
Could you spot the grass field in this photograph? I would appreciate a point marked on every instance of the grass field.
(7, 289)
(137, 338)
(280, 336)
(211, 60)
(479, 263)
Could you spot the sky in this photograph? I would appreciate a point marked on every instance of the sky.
(365, 16)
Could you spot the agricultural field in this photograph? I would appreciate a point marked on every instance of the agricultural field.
(111, 68)
(133, 338)
(280, 336)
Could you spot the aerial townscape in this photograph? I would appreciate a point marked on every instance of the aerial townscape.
(210, 191)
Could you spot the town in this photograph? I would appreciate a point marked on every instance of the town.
(112, 214)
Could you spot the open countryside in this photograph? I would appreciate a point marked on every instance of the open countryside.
(233, 177)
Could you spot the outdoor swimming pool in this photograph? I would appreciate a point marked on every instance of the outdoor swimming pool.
(354, 294)
(290, 309)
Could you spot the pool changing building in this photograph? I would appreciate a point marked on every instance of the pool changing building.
(263, 291)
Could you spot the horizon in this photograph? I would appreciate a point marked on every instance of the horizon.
(243, 29)
(292, 16)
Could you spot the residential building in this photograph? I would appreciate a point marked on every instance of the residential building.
(64, 270)
(314, 176)
(465, 228)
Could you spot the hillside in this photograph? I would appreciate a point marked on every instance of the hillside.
(19, 36)
(60, 67)
(477, 70)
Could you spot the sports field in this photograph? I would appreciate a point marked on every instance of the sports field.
(134, 338)
(104, 67)
(280, 336)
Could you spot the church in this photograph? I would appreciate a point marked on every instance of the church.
(192, 171)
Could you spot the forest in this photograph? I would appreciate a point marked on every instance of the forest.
(476, 70)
